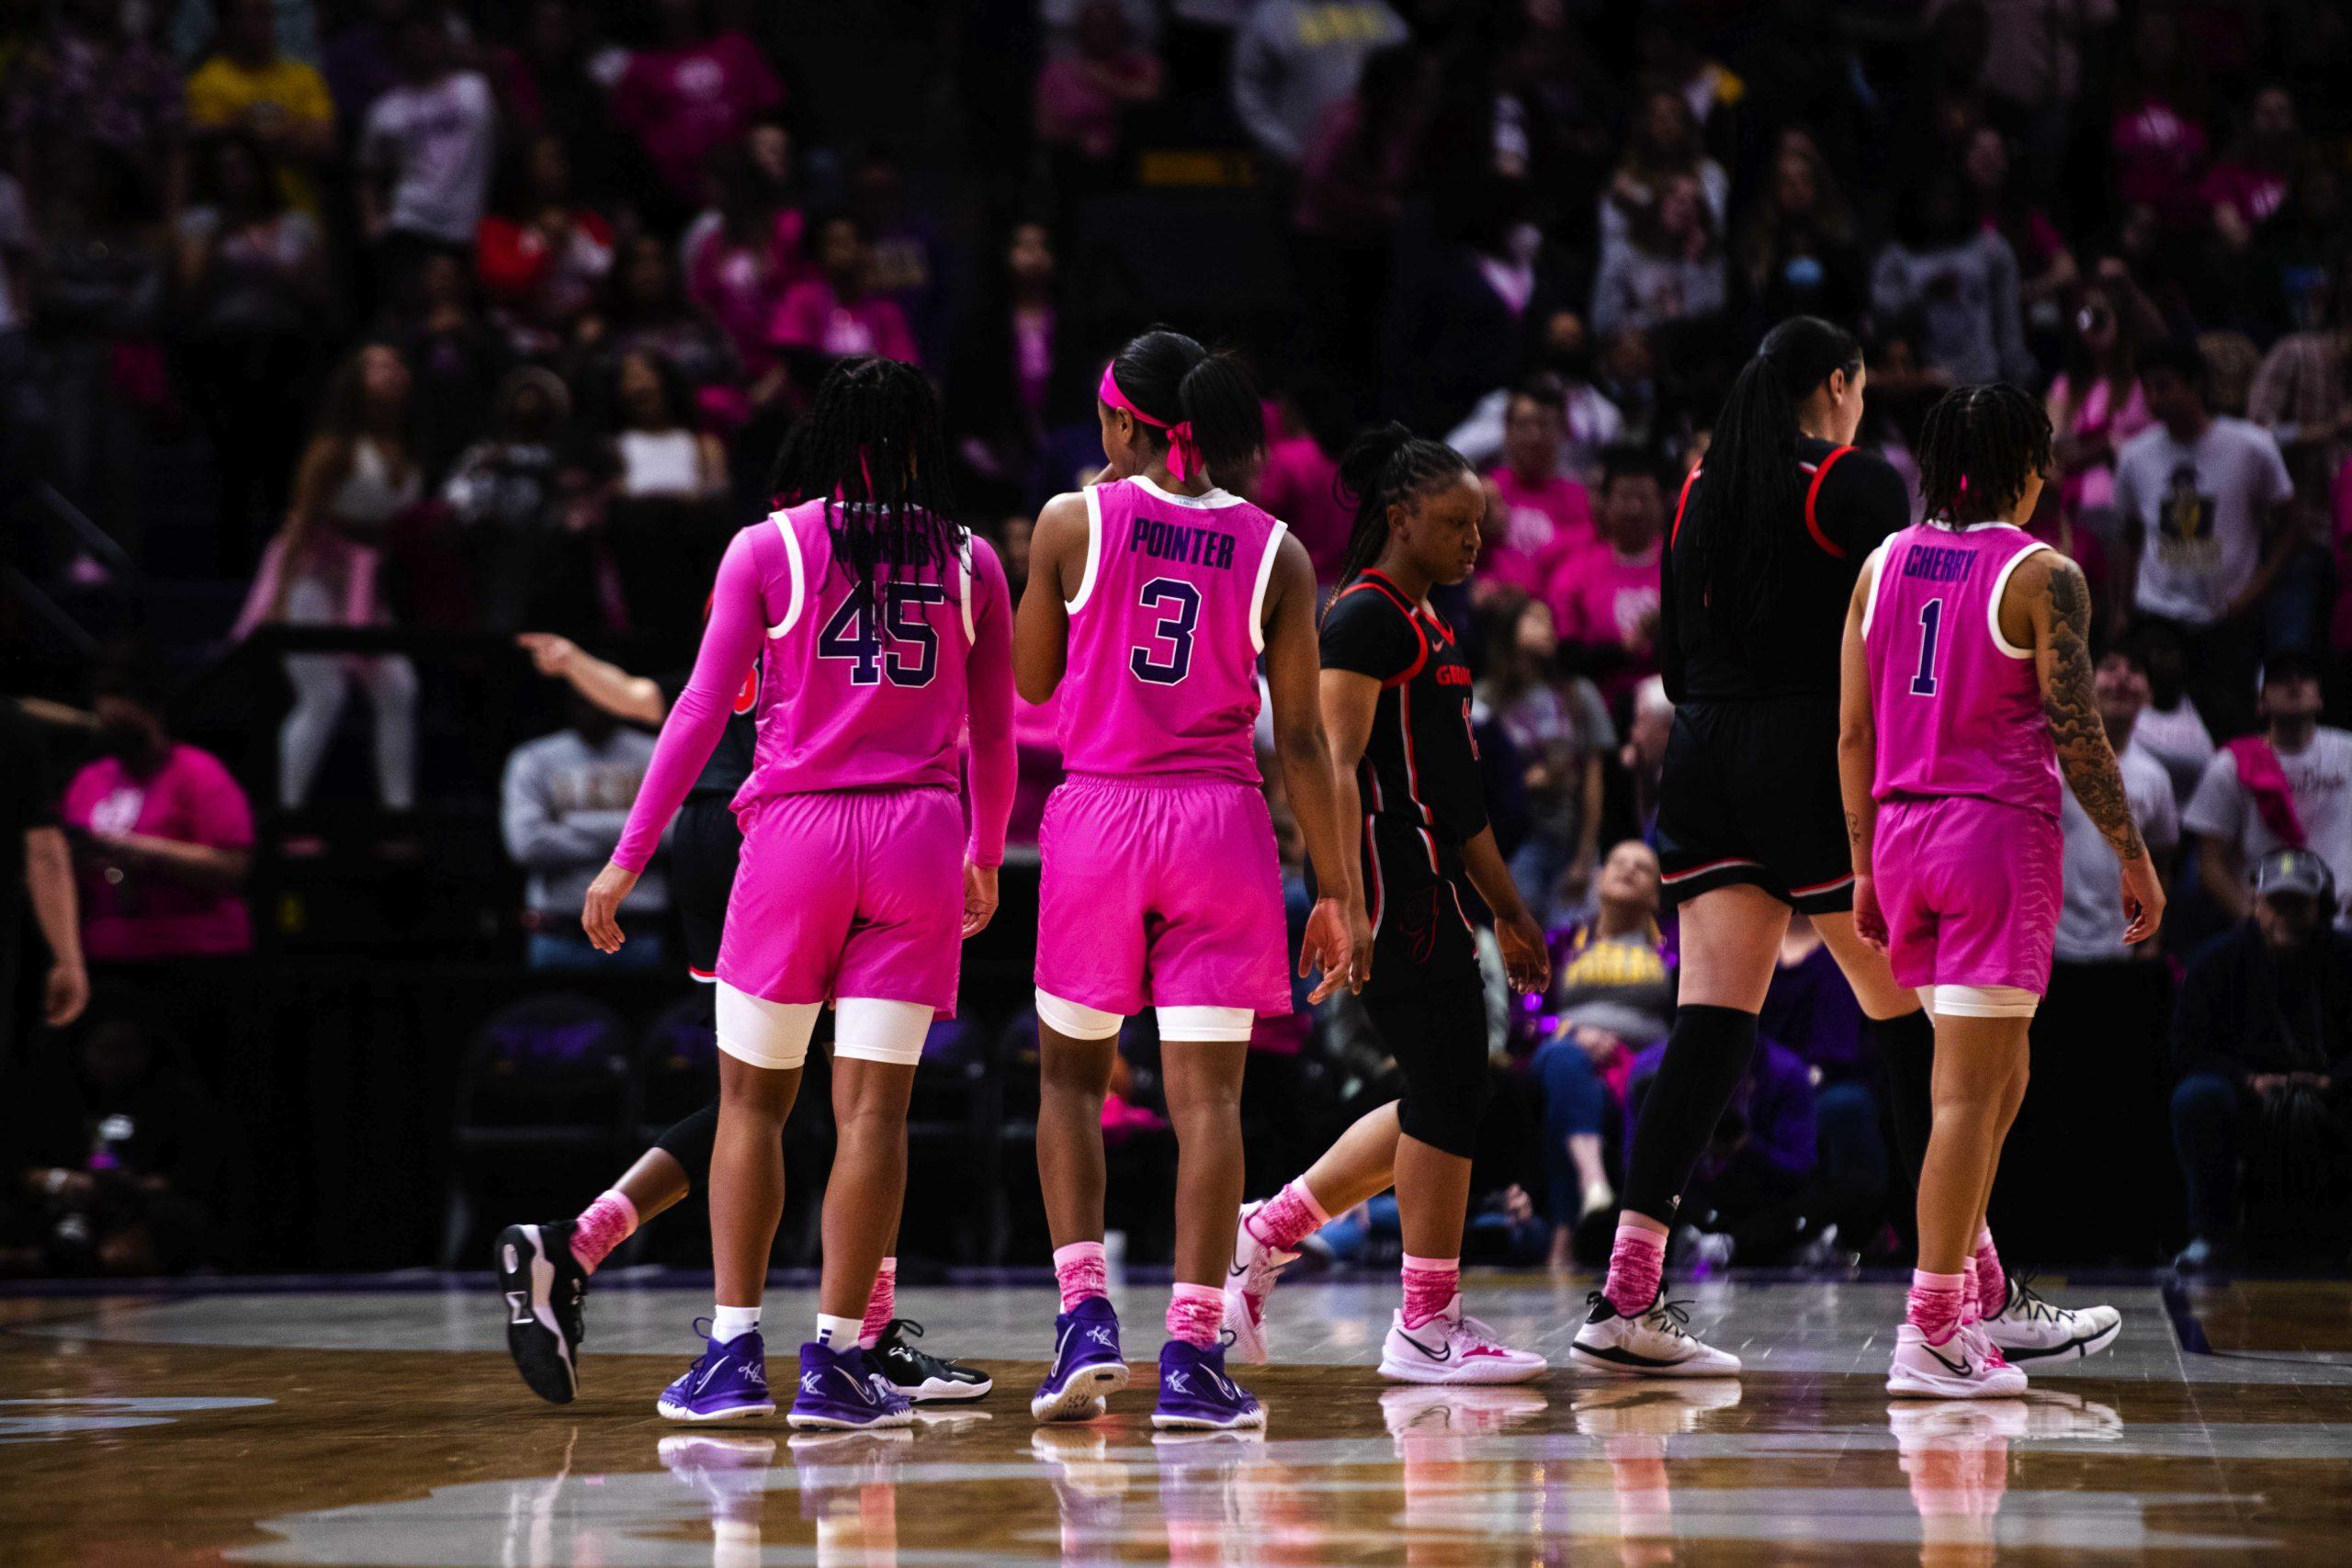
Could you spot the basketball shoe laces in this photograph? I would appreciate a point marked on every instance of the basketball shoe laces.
(1665, 1316)
(2024, 1297)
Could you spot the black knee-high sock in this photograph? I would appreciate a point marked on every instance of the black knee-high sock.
(1907, 1045)
(1706, 1057)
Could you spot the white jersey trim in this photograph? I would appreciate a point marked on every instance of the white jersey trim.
(965, 580)
(1209, 500)
(1876, 566)
(799, 588)
(1093, 550)
(1993, 604)
(1258, 594)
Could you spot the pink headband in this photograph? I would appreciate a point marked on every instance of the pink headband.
(1184, 452)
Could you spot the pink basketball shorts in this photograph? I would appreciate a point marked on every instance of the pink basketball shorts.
(1971, 891)
(848, 893)
(1162, 891)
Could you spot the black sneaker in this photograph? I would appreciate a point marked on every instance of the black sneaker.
(545, 1287)
(920, 1376)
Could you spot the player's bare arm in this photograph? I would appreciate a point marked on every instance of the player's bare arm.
(1526, 957)
(1057, 564)
(1351, 702)
(1339, 937)
(2050, 594)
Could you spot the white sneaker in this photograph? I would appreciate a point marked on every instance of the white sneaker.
(1247, 1282)
(1656, 1344)
(1957, 1369)
(2030, 1329)
(1451, 1347)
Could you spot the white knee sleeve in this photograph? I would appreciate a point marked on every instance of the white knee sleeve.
(1074, 1021)
(764, 1033)
(1206, 1023)
(868, 1029)
(1980, 1001)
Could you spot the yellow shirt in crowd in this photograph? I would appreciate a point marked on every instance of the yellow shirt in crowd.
(223, 93)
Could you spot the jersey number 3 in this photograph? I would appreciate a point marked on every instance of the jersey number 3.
(905, 645)
(1179, 603)
(1931, 620)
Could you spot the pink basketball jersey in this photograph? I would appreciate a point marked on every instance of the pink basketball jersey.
(1957, 707)
(859, 694)
(1165, 632)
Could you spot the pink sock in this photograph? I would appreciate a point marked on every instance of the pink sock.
(602, 1226)
(1636, 1263)
(1968, 1313)
(1080, 1270)
(1195, 1314)
(1934, 1305)
(881, 1306)
(1992, 1283)
(1431, 1285)
(1289, 1217)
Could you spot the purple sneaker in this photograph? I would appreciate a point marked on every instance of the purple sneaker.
(840, 1392)
(728, 1383)
(1087, 1363)
(1196, 1397)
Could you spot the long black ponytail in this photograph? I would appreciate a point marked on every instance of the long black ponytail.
(1176, 381)
(1382, 467)
(870, 447)
(1742, 516)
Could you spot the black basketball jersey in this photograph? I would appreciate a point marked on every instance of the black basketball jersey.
(731, 760)
(1419, 781)
(1852, 499)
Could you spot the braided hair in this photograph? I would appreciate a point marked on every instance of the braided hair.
(1739, 524)
(1978, 448)
(1382, 467)
(870, 447)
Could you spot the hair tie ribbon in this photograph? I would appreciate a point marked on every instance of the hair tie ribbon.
(1184, 450)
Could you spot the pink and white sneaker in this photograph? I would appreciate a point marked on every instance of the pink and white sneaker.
(1453, 1349)
(1249, 1281)
(1963, 1367)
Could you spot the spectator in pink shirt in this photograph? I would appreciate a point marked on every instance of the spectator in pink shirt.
(2248, 182)
(697, 91)
(743, 255)
(1537, 517)
(163, 834)
(1301, 469)
(832, 315)
(1605, 600)
(1082, 96)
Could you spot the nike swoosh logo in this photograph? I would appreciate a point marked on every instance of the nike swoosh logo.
(1444, 1354)
(1238, 1270)
(1960, 1370)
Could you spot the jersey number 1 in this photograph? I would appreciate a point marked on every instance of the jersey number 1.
(1931, 620)
(851, 635)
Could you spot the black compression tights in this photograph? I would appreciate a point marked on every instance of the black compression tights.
(1706, 1057)
(690, 1142)
(1907, 1045)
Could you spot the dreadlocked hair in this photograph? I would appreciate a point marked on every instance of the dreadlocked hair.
(1386, 464)
(870, 448)
(1742, 520)
(1979, 446)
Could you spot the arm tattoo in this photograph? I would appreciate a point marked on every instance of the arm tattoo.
(1853, 828)
(2067, 701)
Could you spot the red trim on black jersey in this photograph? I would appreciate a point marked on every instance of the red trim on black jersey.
(1681, 503)
(1380, 584)
(1812, 495)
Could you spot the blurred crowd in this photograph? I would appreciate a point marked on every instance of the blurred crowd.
(431, 317)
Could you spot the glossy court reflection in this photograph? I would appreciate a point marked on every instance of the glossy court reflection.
(175, 1450)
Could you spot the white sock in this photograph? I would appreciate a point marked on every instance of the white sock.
(733, 1323)
(838, 1333)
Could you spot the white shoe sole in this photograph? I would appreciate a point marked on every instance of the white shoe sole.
(2073, 1350)
(1722, 1365)
(702, 1418)
(1484, 1371)
(836, 1423)
(941, 1390)
(1903, 1383)
(1253, 1421)
(1077, 1396)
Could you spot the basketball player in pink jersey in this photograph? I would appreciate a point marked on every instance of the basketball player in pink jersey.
(1966, 692)
(1151, 595)
(880, 629)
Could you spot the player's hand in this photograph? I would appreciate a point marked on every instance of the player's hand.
(1870, 920)
(979, 898)
(65, 994)
(1527, 960)
(600, 913)
(552, 654)
(2143, 900)
(1329, 945)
